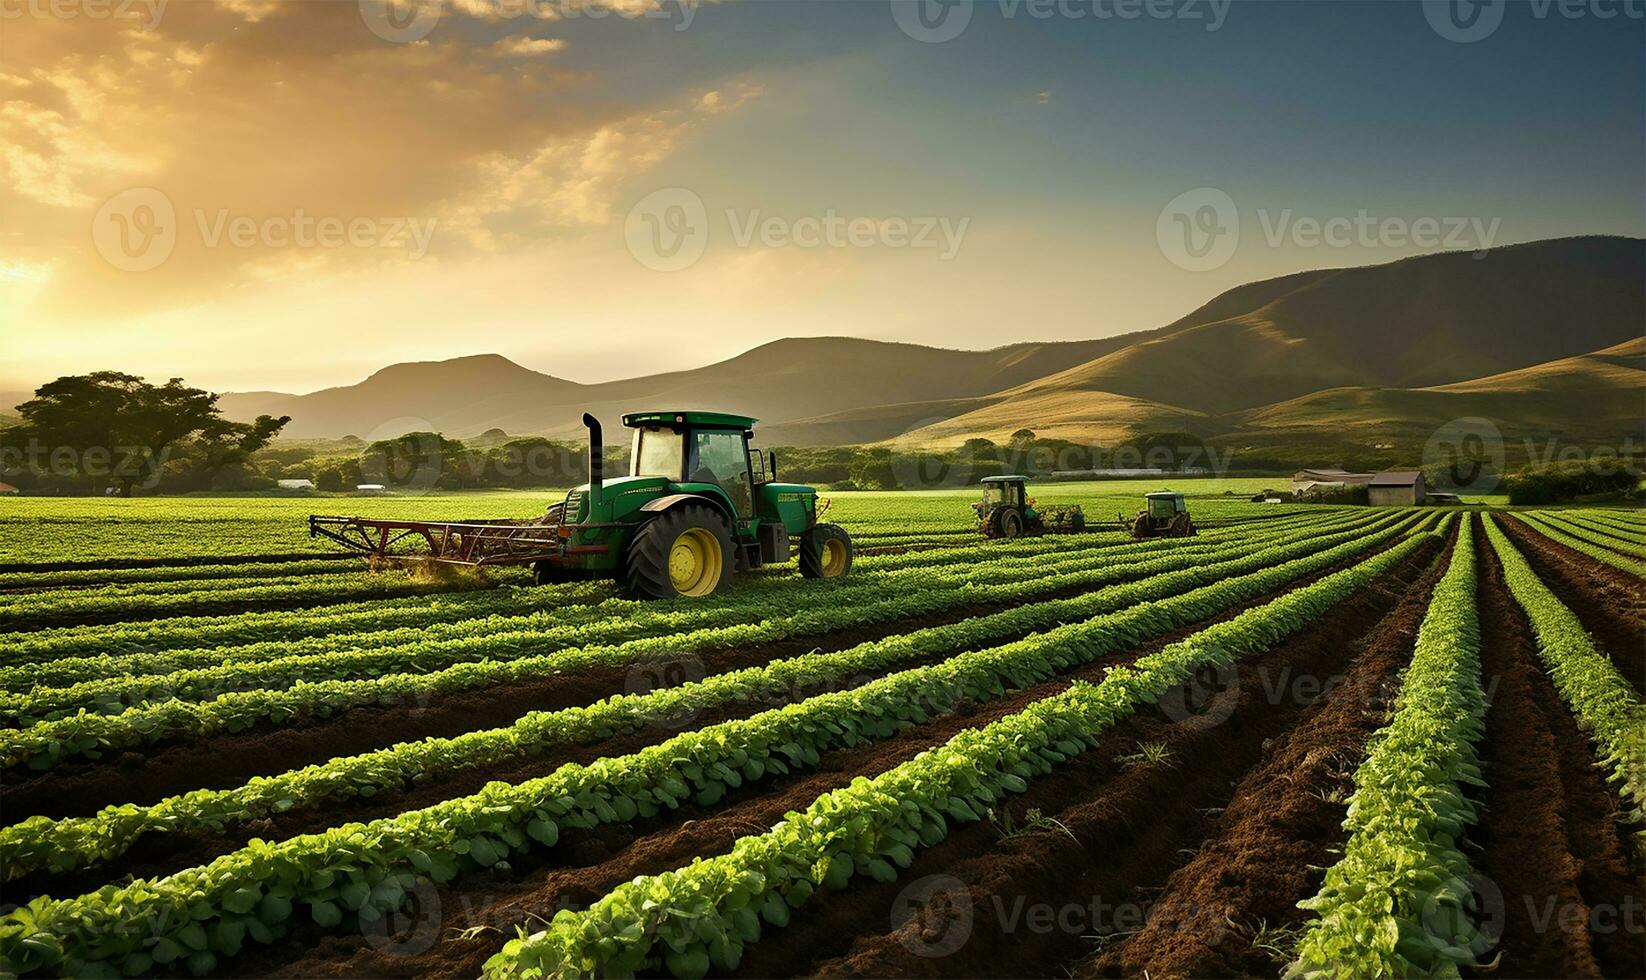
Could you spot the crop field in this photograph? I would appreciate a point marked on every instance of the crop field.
(1335, 742)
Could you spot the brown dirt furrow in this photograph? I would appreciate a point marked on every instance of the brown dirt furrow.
(1038, 899)
(586, 864)
(1265, 851)
(1549, 841)
(221, 761)
(1609, 602)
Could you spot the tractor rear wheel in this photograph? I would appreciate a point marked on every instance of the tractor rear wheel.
(1008, 523)
(825, 552)
(1141, 528)
(1182, 526)
(686, 551)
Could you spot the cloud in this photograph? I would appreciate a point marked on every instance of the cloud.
(527, 47)
(275, 113)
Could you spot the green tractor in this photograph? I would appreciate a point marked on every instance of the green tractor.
(1164, 515)
(698, 504)
(1007, 511)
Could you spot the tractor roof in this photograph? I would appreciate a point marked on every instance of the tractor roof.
(1004, 479)
(1162, 495)
(694, 420)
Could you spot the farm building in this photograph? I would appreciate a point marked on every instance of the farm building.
(1302, 480)
(7, 489)
(296, 484)
(1396, 488)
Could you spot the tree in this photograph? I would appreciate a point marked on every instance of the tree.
(114, 427)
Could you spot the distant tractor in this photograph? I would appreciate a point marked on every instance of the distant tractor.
(1007, 511)
(1164, 515)
(698, 504)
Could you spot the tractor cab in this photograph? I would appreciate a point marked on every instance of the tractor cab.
(1009, 491)
(1007, 510)
(1164, 515)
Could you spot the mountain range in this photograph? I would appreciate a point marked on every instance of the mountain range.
(1545, 337)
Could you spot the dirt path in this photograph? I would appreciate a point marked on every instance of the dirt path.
(1549, 843)
(1609, 602)
(1123, 822)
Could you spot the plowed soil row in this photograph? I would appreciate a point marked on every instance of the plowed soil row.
(227, 760)
(1550, 843)
(1609, 602)
(1266, 850)
(1027, 905)
(588, 863)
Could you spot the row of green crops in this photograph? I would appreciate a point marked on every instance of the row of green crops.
(1584, 532)
(191, 573)
(73, 607)
(550, 616)
(60, 845)
(1601, 698)
(1607, 555)
(1395, 904)
(459, 611)
(701, 917)
(358, 872)
(47, 743)
(738, 619)
(1615, 530)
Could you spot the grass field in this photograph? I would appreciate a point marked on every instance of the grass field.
(1348, 741)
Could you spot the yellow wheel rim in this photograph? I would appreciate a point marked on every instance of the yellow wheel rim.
(695, 562)
(834, 558)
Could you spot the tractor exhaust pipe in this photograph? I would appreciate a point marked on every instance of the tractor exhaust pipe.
(597, 458)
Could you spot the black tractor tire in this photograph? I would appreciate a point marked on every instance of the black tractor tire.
(1182, 526)
(815, 562)
(1008, 523)
(1141, 528)
(645, 567)
(544, 573)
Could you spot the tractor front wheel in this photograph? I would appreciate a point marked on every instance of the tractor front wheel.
(687, 551)
(825, 552)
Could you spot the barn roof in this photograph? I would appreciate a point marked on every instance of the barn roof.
(1397, 478)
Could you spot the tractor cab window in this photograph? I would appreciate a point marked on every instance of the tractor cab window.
(1162, 507)
(720, 456)
(1002, 493)
(658, 452)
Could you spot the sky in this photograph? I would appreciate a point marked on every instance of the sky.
(291, 194)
